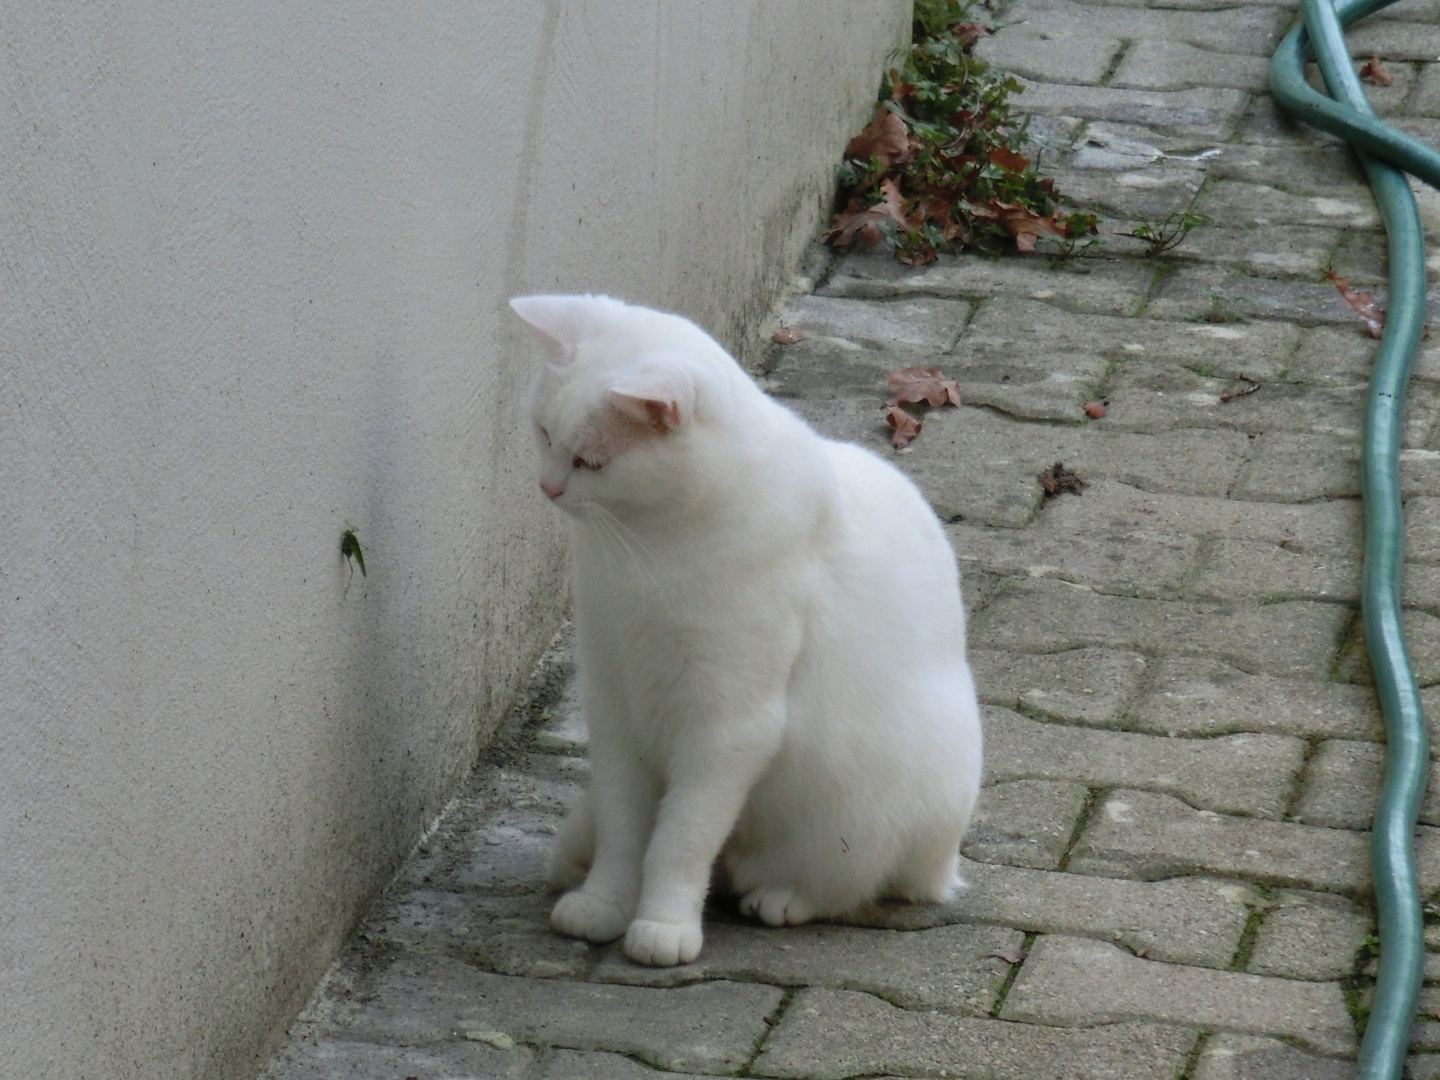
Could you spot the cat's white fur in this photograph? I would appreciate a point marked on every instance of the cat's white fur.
(769, 639)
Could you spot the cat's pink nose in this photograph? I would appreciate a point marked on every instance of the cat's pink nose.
(551, 490)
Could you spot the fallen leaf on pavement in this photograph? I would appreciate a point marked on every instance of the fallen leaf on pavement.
(1010, 956)
(1364, 305)
(906, 427)
(969, 32)
(887, 139)
(1243, 391)
(1094, 409)
(1026, 226)
(865, 223)
(787, 336)
(1009, 160)
(1376, 72)
(1057, 478)
(912, 385)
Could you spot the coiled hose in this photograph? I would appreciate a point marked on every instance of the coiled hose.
(1384, 152)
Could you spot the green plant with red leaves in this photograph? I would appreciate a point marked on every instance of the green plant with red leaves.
(940, 168)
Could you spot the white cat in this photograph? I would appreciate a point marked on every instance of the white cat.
(769, 639)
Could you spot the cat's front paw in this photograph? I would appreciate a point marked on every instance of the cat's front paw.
(777, 906)
(663, 944)
(579, 914)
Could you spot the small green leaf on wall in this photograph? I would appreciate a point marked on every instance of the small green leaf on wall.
(351, 551)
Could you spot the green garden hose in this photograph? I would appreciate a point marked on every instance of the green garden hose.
(1384, 152)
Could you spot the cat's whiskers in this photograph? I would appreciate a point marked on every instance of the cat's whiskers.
(631, 544)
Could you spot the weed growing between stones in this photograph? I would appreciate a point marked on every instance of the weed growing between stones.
(940, 167)
(1160, 236)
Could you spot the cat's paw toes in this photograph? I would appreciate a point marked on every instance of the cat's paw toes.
(663, 944)
(777, 906)
(578, 914)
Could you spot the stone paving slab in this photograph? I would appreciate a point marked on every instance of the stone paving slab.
(1082, 686)
(1007, 492)
(1254, 30)
(1198, 291)
(1342, 786)
(1148, 565)
(708, 1028)
(1175, 65)
(1205, 113)
(1143, 835)
(1017, 330)
(1118, 508)
(925, 323)
(829, 1034)
(337, 1059)
(1146, 397)
(1305, 168)
(1284, 467)
(1084, 60)
(1188, 920)
(1110, 288)
(955, 969)
(577, 1065)
(1240, 203)
(1265, 251)
(1252, 1057)
(1025, 823)
(1149, 192)
(1233, 774)
(1307, 935)
(1074, 981)
(1201, 697)
(1295, 638)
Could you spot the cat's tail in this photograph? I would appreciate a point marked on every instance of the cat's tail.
(574, 849)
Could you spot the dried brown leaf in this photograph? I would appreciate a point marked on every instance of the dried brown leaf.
(969, 32)
(1057, 479)
(866, 223)
(1026, 226)
(786, 336)
(1009, 160)
(1376, 72)
(905, 426)
(1250, 387)
(887, 139)
(1364, 305)
(912, 385)
(1010, 956)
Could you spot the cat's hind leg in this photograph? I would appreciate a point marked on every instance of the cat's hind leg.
(574, 848)
(929, 872)
(777, 905)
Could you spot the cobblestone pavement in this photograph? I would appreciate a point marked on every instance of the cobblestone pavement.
(1169, 864)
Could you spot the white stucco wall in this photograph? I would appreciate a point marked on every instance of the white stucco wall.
(254, 258)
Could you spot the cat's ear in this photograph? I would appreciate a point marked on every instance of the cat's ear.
(665, 400)
(559, 320)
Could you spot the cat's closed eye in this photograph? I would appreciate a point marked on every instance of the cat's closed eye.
(579, 462)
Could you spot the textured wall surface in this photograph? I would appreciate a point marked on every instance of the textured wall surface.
(254, 258)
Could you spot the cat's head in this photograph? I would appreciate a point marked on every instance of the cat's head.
(622, 401)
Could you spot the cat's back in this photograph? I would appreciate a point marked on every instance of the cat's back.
(885, 512)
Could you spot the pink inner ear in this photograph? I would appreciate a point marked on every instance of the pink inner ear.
(659, 413)
(661, 399)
